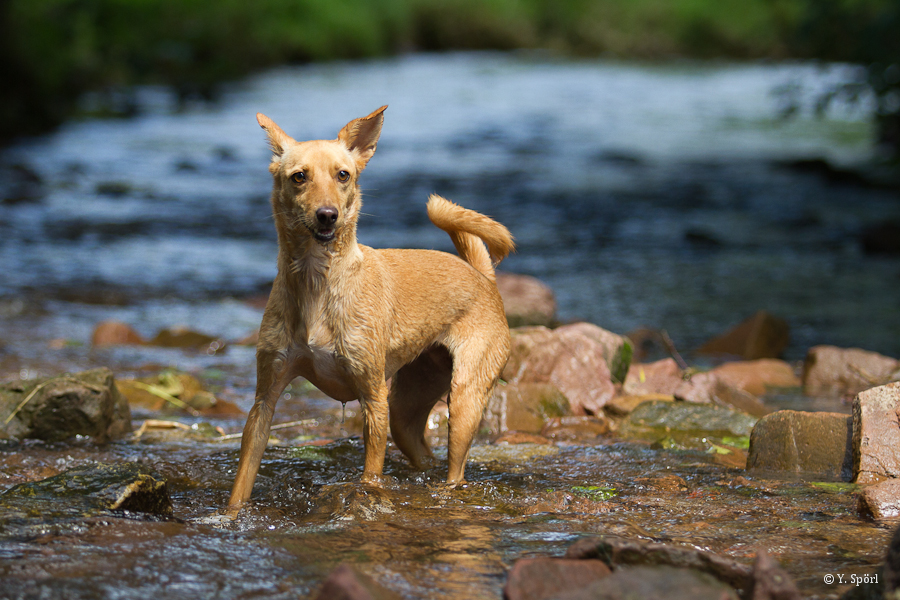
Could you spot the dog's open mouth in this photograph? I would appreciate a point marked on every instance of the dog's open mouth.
(324, 235)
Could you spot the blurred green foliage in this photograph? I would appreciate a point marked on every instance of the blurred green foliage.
(54, 50)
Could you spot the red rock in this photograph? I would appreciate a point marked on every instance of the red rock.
(347, 583)
(617, 349)
(527, 300)
(522, 341)
(761, 336)
(832, 371)
(115, 333)
(876, 434)
(576, 428)
(520, 437)
(660, 377)
(736, 384)
(542, 578)
(757, 376)
(881, 501)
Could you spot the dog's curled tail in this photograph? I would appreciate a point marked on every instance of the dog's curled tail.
(468, 229)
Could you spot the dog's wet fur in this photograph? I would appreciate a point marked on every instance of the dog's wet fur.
(353, 320)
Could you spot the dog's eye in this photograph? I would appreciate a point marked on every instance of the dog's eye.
(298, 177)
(343, 176)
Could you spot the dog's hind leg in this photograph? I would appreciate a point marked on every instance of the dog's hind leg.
(475, 371)
(414, 391)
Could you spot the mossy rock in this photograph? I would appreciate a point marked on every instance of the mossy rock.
(91, 489)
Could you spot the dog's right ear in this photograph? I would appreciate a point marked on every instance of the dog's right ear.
(278, 139)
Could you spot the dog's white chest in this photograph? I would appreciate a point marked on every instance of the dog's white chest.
(325, 368)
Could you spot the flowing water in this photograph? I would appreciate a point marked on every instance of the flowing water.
(645, 195)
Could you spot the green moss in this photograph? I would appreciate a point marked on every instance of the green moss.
(594, 492)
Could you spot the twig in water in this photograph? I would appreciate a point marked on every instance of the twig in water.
(234, 436)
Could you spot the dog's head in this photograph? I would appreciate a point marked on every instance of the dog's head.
(316, 183)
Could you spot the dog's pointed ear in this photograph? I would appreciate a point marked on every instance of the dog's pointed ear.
(360, 136)
(278, 139)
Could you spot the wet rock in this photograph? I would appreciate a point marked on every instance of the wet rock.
(876, 434)
(624, 405)
(655, 583)
(707, 388)
(519, 437)
(575, 428)
(173, 390)
(757, 376)
(515, 454)
(833, 371)
(88, 489)
(812, 445)
(188, 339)
(617, 552)
(543, 578)
(685, 421)
(347, 582)
(761, 336)
(659, 377)
(770, 581)
(881, 501)
(524, 407)
(115, 333)
(57, 408)
(575, 363)
(350, 502)
(617, 349)
(738, 384)
(527, 300)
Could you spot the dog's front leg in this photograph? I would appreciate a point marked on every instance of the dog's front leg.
(272, 376)
(375, 413)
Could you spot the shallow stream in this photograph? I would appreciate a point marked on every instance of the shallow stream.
(661, 196)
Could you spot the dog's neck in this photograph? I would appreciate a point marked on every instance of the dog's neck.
(308, 266)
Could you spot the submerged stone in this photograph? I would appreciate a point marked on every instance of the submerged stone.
(811, 445)
(89, 489)
(617, 551)
(542, 577)
(347, 582)
(655, 583)
(58, 408)
(876, 434)
(660, 419)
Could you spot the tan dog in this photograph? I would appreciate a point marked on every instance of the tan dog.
(349, 318)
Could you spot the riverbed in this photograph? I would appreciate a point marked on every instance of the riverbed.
(674, 197)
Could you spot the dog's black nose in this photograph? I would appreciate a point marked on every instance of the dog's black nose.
(327, 216)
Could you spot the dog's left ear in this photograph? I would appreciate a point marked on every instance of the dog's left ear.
(360, 136)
